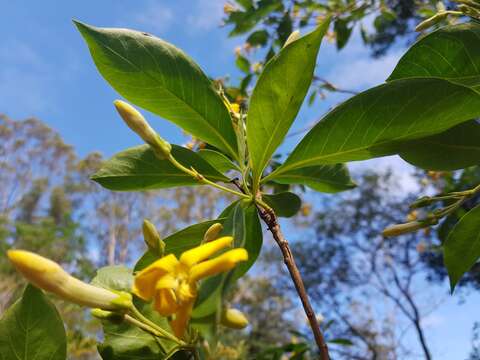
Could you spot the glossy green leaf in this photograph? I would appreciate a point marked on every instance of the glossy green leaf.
(323, 178)
(31, 329)
(138, 168)
(159, 77)
(375, 122)
(278, 95)
(452, 52)
(285, 204)
(241, 222)
(115, 277)
(462, 248)
(218, 160)
(456, 148)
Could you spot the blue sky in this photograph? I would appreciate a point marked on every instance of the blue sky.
(46, 72)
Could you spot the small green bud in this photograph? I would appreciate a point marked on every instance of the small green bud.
(107, 315)
(139, 125)
(399, 229)
(421, 202)
(152, 238)
(212, 232)
(292, 37)
(233, 319)
(435, 19)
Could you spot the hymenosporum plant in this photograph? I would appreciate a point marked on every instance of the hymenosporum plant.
(174, 298)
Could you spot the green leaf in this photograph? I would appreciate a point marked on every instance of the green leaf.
(285, 204)
(323, 178)
(258, 38)
(462, 248)
(218, 160)
(456, 148)
(342, 32)
(138, 168)
(187, 238)
(241, 222)
(243, 64)
(278, 95)
(452, 52)
(115, 277)
(32, 329)
(161, 78)
(376, 122)
(340, 341)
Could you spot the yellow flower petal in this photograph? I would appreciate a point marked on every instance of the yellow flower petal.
(218, 265)
(202, 252)
(145, 280)
(182, 316)
(165, 302)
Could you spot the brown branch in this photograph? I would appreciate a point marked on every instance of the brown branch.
(270, 220)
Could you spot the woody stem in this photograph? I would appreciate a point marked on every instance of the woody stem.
(270, 219)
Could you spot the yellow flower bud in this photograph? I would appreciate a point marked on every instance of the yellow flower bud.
(138, 124)
(234, 319)
(49, 276)
(152, 238)
(292, 37)
(212, 232)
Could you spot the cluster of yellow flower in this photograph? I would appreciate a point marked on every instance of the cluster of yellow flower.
(171, 283)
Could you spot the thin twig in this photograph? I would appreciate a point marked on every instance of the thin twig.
(270, 220)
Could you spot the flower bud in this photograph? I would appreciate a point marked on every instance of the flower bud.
(212, 233)
(400, 229)
(138, 124)
(233, 319)
(152, 238)
(435, 19)
(292, 37)
(114, 317)
(49, 276)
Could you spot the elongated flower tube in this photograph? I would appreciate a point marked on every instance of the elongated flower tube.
(49, 276)
(172, 283)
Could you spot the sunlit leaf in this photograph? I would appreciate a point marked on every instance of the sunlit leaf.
(159, 77)
(462, 247)
(379, 121)
(32, 329)
(278, 95)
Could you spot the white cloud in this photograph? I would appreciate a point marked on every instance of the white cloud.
(360, 73)
(155, 17)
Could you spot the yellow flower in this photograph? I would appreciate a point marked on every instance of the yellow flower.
(49, 276)
(172, 283)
